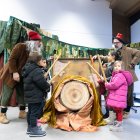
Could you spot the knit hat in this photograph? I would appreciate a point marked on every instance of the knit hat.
(119, 37)
(34, 35)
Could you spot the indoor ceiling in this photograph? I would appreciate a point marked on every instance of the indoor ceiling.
(125, 7)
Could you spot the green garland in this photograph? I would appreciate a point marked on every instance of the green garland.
(14, 33)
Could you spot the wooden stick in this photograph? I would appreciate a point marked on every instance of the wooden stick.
(59, 72)
(91, 59)
(100, 63)
(52, 66)
(94, 70)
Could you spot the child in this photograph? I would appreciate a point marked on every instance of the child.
(43, 66)
(35, 86)
(108, 68)
(117, 94)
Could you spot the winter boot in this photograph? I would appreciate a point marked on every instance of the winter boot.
(106, 115)
(117, 126)
(36, 132)
(29, 129)
(125, 115)
(22, 114)
(112, 116)
(3, 118)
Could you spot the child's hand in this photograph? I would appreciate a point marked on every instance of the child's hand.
(106, 82)
(94, 57)
(102, 78)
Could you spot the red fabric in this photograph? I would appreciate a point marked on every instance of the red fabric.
(102, 89)
(119, 35)
(119, 114)
(34, 35)
(1, 65)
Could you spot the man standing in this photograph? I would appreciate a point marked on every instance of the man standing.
(130, 58)
(11, 74)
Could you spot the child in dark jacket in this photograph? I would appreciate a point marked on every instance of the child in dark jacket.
(44, 68)
(35, 86)
(117, 95)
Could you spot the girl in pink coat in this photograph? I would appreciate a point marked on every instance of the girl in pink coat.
(117, 97)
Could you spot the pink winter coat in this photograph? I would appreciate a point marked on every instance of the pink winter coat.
(117, 88)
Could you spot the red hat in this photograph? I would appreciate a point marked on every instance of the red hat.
(119, 37)
(34, 35)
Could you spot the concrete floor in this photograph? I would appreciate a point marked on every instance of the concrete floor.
(16, 130)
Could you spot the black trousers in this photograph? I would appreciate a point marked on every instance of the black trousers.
(41, 109)
(130, 98)
(34, 110)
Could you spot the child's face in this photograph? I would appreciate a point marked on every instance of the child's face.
(43, 63)
(110, 58)
(117, 67)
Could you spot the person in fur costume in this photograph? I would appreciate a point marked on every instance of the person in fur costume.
(130, 57)
(10, 74)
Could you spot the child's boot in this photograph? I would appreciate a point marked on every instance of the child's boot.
(125, 115)
(36, 132)
(117, 127)
(112, 116)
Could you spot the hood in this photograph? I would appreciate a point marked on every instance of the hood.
(127, 75)
(28, 68)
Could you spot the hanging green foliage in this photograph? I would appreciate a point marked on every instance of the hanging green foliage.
(14, 32)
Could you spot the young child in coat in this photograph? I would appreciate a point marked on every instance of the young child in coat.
(108, 68)
(44, 68)
(35, 86)
(117, 94)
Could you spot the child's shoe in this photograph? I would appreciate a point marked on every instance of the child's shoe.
(106, 115)
(36, 132)
(117, 127)
(110, 120)
(28, 130)
(125, 115)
